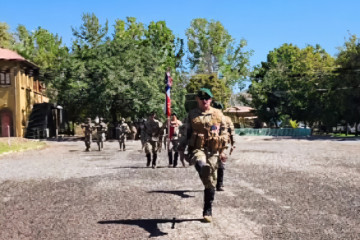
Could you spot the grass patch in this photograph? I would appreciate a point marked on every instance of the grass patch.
(18, 144)
(342, 135)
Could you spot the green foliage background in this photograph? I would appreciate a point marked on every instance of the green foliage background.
(121, 73)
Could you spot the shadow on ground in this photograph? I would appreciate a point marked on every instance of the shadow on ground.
(150, 225)
(180, 193)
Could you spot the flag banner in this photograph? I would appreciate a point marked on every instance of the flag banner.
(168, 82)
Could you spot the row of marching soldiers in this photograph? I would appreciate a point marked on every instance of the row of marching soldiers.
(206, 135)
(101, 129)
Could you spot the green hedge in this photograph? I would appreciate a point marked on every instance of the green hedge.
(293, 132)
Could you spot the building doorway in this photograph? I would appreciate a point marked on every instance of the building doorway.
(6, 123)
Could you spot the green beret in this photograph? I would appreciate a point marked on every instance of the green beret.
(203, 92)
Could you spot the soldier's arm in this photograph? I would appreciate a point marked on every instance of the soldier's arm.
(232, 134)
(224, 138)
(184, 140)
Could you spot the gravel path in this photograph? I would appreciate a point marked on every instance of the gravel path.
(275, 189)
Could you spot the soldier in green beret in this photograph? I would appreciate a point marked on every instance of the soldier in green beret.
(206, 138)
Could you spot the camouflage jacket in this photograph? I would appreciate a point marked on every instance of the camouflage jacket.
(88, 128)
(101, 128)
(123, 129)
(151, 130)
(205, 130)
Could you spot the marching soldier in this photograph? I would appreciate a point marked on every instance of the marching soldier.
(175, 124)
(133, 130)
(101, 129)
(123, 130)
(150, 134)
(88, 129)
(206, 138)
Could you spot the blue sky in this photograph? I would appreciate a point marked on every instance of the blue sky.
(264, 24)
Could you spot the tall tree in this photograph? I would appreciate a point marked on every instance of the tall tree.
(44, 49)
(289, 84)
(220, 91)
(213, 50)
(6, 38)
(348, 80)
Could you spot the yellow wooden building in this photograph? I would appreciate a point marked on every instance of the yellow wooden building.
(20, 89)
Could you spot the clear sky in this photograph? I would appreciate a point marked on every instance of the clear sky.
(265, 24)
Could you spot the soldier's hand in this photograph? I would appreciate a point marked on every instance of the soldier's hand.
(223, 157)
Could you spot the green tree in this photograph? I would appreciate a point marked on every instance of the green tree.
(212, 49)
(217, 86)
(6, 38)
(44, 49)
(347, 82)
(290, 84)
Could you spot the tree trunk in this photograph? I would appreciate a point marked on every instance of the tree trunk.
(356, 129)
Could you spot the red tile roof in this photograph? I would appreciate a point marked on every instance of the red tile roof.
(7, 54)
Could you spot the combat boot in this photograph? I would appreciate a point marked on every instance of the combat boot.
(209, 195)
(220, 179)
(176, 156)
(154, 160)
(170, 159)
(148, 156)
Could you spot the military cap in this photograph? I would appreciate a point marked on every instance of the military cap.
(203, 92)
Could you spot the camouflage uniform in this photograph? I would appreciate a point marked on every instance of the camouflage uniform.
(101, 129)
(150, 135)
(174, 125)
(206, 137)
(88, 129)
(123, 129)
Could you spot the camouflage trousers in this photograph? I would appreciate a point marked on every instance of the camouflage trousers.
(151, 147)
(100, 140)
(207, 158)
(88, 140)
(122, 140)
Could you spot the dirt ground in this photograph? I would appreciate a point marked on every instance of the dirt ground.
(276, 188)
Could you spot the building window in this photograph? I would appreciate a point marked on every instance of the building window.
(5, 77)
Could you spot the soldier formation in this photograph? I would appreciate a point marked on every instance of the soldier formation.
(206, 134)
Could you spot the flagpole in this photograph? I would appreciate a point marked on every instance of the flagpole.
(168, 81)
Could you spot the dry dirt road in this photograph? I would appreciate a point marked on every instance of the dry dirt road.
(275, 189)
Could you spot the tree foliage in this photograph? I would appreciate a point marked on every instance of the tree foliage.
(347, 82)
(290, 84)
(217, 86)
(6, 38)
(212, 49)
